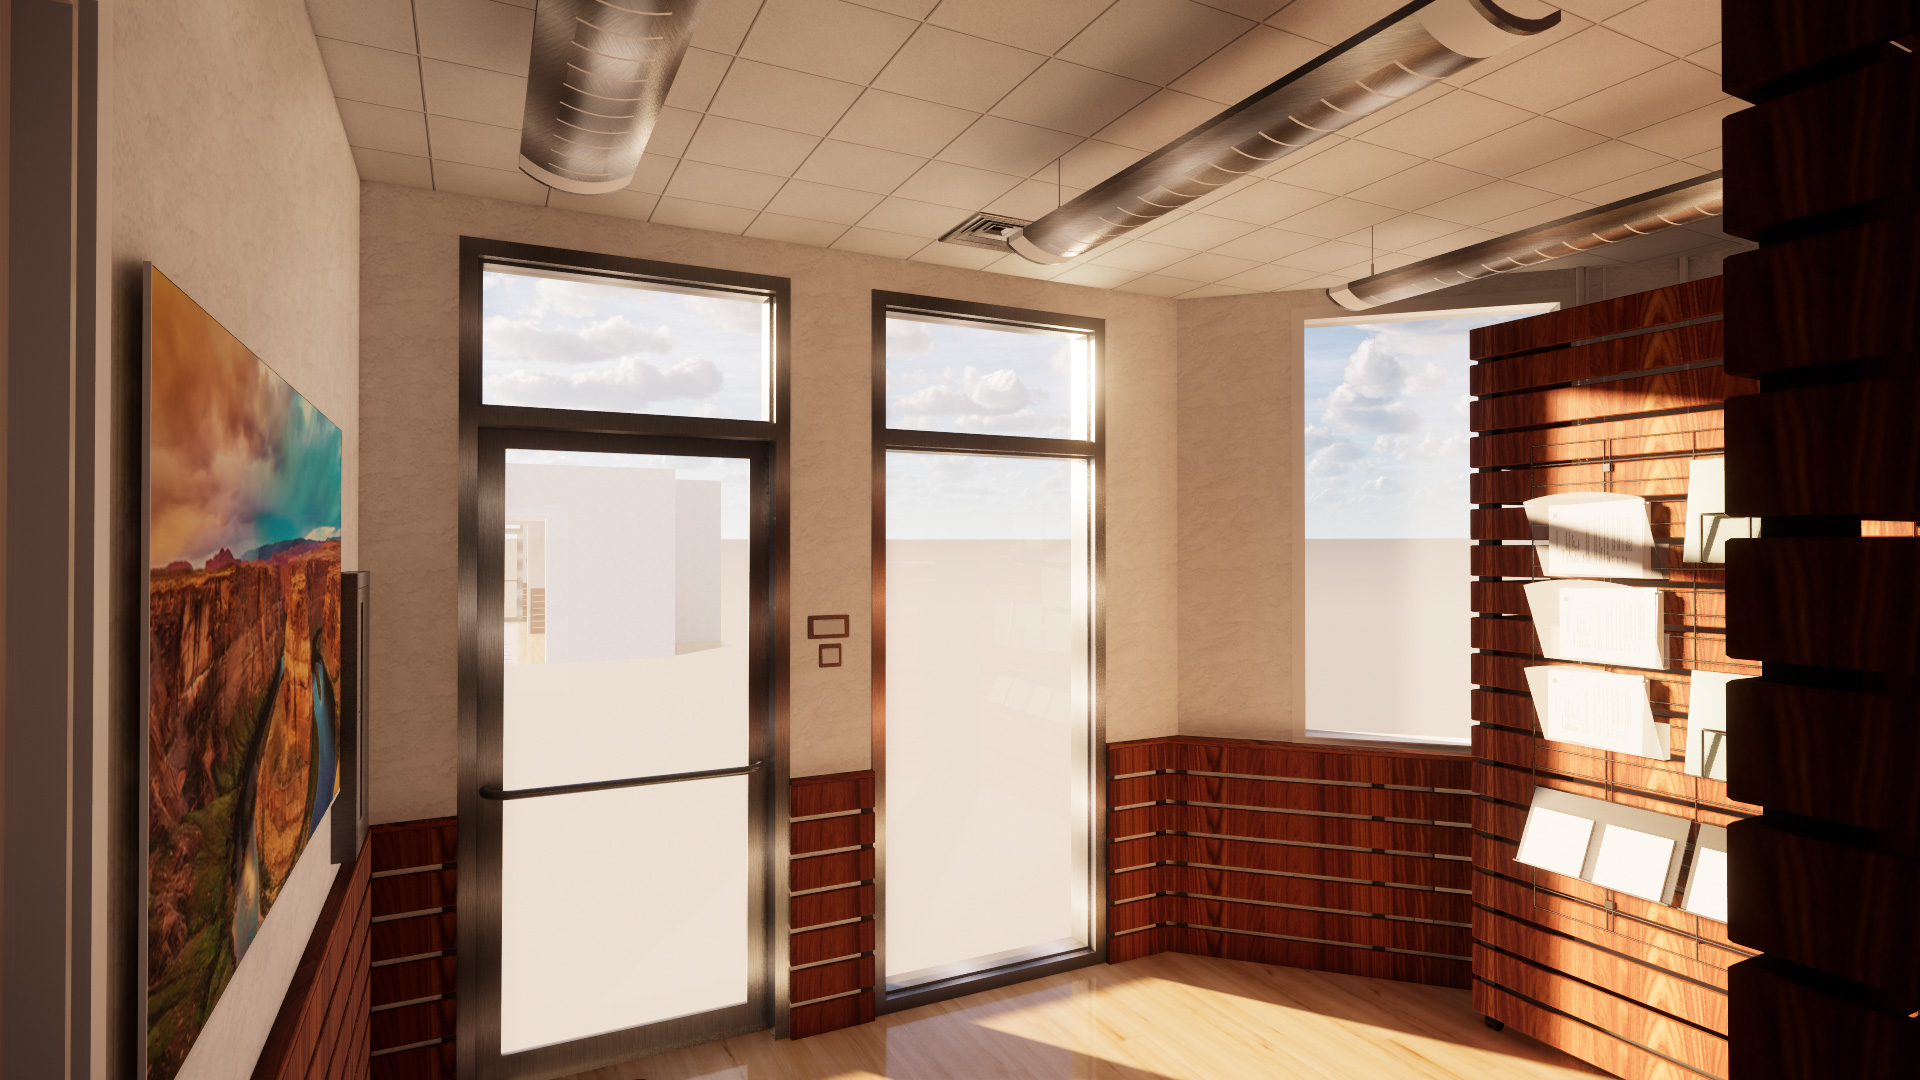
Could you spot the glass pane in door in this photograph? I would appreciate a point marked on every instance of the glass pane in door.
(626, 654)
(987, 712)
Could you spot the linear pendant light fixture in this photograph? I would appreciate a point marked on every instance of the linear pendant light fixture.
(1662, 208)
(598, 75)
(1400, 55)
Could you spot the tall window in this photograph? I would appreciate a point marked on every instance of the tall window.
(1387, 527)
(989, 457)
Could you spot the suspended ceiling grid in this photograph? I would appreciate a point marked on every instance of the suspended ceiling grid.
(877, 125)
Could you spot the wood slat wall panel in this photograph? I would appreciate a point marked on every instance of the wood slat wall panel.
(847, 878)
(1793, 756)
(1795, 137)
(1777, 41)
(1850, 450)
(1592, 971)
(1642, 352)
(1640, 311)
(1788, 1030)
(1827, 298)
(323, 1018)
(1826, 602)
(1230, 865)
(415, 956)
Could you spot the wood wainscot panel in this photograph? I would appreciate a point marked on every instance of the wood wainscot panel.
(1577, 1037)
(1625, 1018)
(413, 955)
(321, 1028)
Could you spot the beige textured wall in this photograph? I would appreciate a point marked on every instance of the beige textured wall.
(410, 411)
(225, 165)
(1241, 641)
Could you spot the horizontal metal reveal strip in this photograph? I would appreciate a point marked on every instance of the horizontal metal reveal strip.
(1297, 907)
(1303, 877)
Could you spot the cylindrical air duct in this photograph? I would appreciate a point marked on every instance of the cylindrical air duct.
(1663, 208)
(1402, 54)
(599, 73)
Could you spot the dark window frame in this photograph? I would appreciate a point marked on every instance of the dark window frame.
(486, 426)
(1091, 450)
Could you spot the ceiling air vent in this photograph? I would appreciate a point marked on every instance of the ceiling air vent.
(986, 231)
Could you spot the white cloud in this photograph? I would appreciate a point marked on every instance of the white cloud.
(1381, 485)
(632, 381)
(908, 338)
(997, 393)
(612, 338)
(1426, 447)
(1335, 458)
(1426, 380)
(745, 317)
(575, 298)
(1367, 397)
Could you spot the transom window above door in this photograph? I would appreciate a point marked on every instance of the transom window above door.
(559, 340)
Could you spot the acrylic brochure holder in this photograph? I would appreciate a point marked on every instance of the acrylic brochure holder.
(1604, 710)
(1594, 534)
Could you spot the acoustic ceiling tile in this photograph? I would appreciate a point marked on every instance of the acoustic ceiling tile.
(1159, 120)
(1420, 185)
(912, 9)
(382, 127)
(782, 98)
(672, 130)
(1452, 241)
(1266, 245)
(1144, 256)
(1200, 232)
(822, 202)
(1342, 168)
(514, 186)
(1021, 267)
(1585, 168)
(1023, 24)
(913, 218)
(382, 167)
(1268, 278)
(971, 258)
(1248, 9)
(1031, 199)
(1708, 57)
(1710, 161)
(476, 94)
(875, 242)
(740, 145)
(1090, 163)
(830, 38)
(954, 69)
(469, 143)
(1626, 187)
(1068, 97)
(1691, 133)
(364, 73)
(700, 182)
(635, 205)
(653, 174)
(1097, 277)
(1523, 146)
(1001, 145)
(1568, 70)
(1399, 233)
(863, 168)
(477, 33)
(1217, 289)
(1498, 199)
(1155, 285)
(1153, 40)
(795, 230)
(702, 215)
(1264, 202)
(1445, 123)
(723, 24)
(1331, 22)
(1535, 215)
(904, 124)
(383, 24)
(1337, 218)
(697, 80)
(1570, 25)
(1678, 27)
(1325, 258)
(948, 184)
(1247, 65)
(1665, 92)
(1596, 10)
(1207, 266)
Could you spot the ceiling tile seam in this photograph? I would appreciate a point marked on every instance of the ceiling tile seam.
(420, 77)
(678, 160)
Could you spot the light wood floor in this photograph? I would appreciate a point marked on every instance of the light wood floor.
(1164, 1017)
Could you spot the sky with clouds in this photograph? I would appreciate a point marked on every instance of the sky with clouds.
(1386, 429)
(986, 380)
(568, 344)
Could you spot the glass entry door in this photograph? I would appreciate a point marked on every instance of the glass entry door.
(624, 734)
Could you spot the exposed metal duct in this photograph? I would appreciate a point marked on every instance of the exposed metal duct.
(1400, 55)
(1663, 208)
(597, 78)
